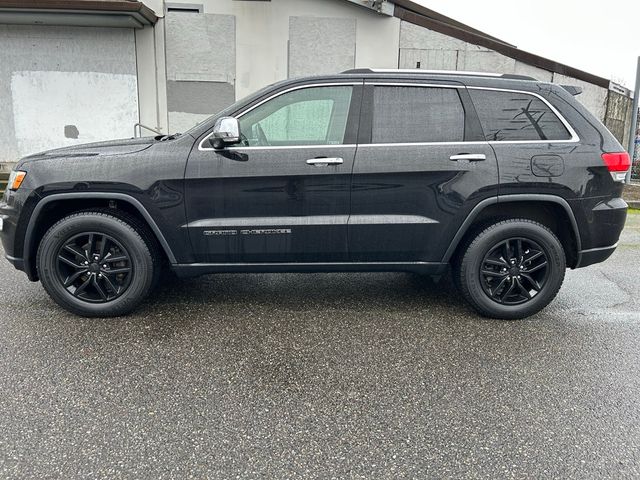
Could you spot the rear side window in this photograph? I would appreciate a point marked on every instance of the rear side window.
(417, 114)
(509, 116)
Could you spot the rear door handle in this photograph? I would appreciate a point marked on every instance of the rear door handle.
(325, 161)
(472, 157)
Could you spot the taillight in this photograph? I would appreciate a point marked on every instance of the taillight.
(617, 162)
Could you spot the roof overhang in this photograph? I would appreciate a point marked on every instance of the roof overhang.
(84, 13)
(411, 12)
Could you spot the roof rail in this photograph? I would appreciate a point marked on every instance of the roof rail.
(510, 76)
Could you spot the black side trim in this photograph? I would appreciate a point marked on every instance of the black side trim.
(196, 269)
(513, 198)
(472, 127)
(91, 195)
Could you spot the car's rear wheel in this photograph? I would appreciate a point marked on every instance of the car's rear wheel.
(95, 264)
(511, 269)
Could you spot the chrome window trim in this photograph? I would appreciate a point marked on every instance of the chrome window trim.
(289, 147)
(277, 94)
(419, 144)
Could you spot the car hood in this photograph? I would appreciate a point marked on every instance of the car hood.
(111, 147)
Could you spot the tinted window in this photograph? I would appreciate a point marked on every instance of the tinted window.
(516, 116)
(309, 116)
(417, 114)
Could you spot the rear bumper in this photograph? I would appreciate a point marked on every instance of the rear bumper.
(600, 224)
(594, 255)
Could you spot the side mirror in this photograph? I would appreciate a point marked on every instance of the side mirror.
(226, 131)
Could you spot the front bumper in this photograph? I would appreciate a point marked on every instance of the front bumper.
(10, 208)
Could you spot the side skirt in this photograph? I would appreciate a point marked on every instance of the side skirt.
(196, 269)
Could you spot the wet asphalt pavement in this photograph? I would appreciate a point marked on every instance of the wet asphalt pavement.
(325, 376)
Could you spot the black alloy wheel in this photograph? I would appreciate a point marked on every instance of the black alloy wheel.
(510, 269)
(98, 263)
(514, 271)
(94, 267)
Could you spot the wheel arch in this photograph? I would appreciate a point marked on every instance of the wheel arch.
(32, 239)
(528, 206)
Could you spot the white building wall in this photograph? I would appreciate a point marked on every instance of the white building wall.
(263, 30)
(593, 97)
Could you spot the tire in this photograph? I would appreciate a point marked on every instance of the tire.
(521, 286)
(107, 264)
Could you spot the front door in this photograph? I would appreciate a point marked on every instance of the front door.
(282, 195)
(421, 166)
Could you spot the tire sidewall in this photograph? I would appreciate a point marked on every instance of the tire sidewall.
(141, 262)
(556, 264)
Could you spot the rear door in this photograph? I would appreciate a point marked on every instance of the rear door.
(421, 166)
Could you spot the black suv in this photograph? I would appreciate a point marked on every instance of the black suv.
(504, 179)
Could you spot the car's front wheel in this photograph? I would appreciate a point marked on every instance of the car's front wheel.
(511, 269)
(95, 264)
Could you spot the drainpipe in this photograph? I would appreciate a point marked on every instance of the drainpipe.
(634, 122)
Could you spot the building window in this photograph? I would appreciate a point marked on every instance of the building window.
(184, 7)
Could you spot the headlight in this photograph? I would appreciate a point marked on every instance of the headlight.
(15, 179)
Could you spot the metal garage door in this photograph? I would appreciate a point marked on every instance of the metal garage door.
(65, 85)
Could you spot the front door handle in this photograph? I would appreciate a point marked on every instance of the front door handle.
(471, 157)
(325, 161)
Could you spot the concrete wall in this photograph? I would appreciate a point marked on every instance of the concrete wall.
(321, 45)
(65, 85)
(437, 51)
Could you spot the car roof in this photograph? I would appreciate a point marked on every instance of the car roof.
(446, 77)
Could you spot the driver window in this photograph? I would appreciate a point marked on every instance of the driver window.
(309, 116)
